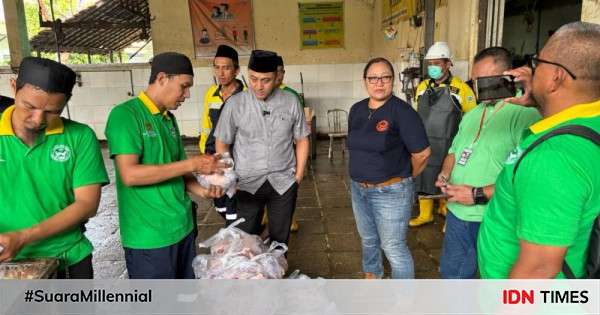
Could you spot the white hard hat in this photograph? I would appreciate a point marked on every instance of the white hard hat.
(439, 50)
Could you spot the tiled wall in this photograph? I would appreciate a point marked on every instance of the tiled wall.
(325, 87)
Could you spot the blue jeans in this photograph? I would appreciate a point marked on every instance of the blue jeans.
(459, 251)
(382, 216)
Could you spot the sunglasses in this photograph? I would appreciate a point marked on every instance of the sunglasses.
(535, 61)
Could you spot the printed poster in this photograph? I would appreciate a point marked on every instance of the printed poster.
(216, 22)
(321, 25)
(393, 11)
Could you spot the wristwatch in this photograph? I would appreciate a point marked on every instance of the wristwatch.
(479, 196)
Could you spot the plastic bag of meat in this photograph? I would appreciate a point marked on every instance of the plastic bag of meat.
(227, 180)
(297, 275)
(273, 261)
(216, 267)
(271, 269)
(245, 270)
(200, 266)
(235, 254)
(232, 240)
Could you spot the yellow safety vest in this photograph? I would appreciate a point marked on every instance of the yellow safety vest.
(458, 89)
(213, 101)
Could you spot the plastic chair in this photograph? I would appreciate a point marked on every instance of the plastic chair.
(337, 120)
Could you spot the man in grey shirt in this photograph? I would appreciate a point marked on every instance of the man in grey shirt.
(261, 124)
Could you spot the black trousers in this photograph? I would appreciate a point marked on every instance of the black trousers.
(80, 270)
(169, 262)
(280, 210)
(195, 218)
(226, 208)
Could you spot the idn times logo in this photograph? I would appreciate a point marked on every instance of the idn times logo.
(514, 296)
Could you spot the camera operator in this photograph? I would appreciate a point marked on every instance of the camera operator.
(485, 137)
(541, 217)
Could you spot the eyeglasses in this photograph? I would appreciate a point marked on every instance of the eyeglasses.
(384, 79)
(535, 61)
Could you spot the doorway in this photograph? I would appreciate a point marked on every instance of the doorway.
(529, 23)
(523, 26)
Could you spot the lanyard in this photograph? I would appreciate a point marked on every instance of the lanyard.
(483, 122)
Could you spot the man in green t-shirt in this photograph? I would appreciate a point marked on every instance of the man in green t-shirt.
(485, 136)
(280, 77)
(51, 172)
(153, 174)
(543, 215)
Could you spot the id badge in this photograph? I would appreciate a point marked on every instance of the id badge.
(464, 156)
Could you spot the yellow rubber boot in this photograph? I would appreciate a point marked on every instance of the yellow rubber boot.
(443, 209)
(370, 276)
(425, 213)
(294, 227)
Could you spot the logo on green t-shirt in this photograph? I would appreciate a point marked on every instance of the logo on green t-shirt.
(60, 153)
(149, 131)
(514, 155)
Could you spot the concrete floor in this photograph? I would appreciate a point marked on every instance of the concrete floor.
(327, 244)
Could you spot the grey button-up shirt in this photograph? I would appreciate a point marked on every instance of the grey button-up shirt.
(263, 134)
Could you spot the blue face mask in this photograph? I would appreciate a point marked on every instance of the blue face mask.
(434, 72)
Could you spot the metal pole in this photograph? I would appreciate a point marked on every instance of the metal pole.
(483, 22)
(539, 26)
(301, 84)
(57, 45)
(137, 51)
(429, 23)
(55, 33)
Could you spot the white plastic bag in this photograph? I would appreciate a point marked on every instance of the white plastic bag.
(235, 254)
(297, 275)
(232, 240)
(227, 180)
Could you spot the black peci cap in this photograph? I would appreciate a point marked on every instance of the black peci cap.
(279, 61)
(171, 63)
(48, 75)
(228, 52)
(263, 61)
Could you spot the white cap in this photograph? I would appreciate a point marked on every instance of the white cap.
(439, 50)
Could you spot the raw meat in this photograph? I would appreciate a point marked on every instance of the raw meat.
(227, 180)
(235, 254)
(28, 269)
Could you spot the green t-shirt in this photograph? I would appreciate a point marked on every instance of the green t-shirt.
(39, 181)
(289, 89)
(501, 130)
(158, 215)
(553, 201)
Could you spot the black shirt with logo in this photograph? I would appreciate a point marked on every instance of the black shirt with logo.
(380, 142)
